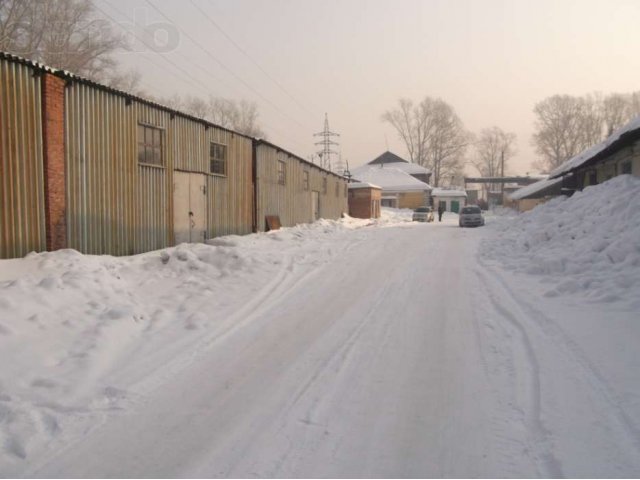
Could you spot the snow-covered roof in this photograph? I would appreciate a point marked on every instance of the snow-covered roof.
(389, 178)
(410, 168)
(537, 190)
(591, 152)
(355, 185)
(444, 192)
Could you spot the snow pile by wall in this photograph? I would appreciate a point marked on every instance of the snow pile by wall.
(83, 336)
(587, 244)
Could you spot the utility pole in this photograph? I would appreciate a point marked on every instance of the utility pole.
(326, 143)
(502, 174)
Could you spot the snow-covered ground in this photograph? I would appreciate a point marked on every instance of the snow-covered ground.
(343, 348)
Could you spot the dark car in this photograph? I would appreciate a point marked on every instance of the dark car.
(471, 216)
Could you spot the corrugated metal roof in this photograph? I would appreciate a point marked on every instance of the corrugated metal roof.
(536, 190)
(617, 139)
(261, 141)
(77, 78)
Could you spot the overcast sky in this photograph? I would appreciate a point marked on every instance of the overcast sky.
(491, 60)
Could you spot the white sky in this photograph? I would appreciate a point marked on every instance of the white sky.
(491, 60)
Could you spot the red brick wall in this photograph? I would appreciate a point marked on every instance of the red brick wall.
(53, 149)
(361, 202)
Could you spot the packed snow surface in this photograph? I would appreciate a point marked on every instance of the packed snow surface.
(351, 348)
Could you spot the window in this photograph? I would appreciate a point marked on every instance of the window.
(217, 159)
(626, 167)
(305, 180)
(282, 172)
(337, 189)
(150, 145)
(324, 186)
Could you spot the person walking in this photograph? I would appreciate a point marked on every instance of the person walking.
(440, 212)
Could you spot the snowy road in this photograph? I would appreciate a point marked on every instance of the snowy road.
(374, 352)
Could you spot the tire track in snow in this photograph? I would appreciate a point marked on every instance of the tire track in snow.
(576, 355)
(330, 367)
(539, 434)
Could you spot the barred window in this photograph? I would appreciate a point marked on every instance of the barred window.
(324, 186)
(217, 159)
(282, 172)
(337, 189)
(150, 145)
(305, 181)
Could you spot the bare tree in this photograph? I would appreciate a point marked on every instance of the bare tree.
(432, 133)
(128, 81)
(559, 130)
(494, 148)
(240, 116)
(413, 126)
(566, 125)
(196, 106)
(65, 34)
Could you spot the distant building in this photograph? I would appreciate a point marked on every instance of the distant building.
(403, 184)
(451, 200)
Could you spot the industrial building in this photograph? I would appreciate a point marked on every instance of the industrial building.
(88, 167)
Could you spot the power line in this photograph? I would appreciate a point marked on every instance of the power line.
(244, 52)
(190, 79)
(193, 81)
(213, 57)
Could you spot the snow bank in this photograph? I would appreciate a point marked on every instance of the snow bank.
(588, 244)
(83, 336)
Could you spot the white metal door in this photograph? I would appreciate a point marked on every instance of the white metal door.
(198, 204)
(315, 205)
(181, 209)
(189, 207)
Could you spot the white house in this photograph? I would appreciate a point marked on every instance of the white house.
(451, 199)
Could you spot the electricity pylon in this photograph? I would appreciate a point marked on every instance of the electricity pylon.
(326, 143)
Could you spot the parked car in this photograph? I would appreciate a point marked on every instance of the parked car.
(471, 216)
(423, 214)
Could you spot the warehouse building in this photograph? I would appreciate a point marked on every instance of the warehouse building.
(88, 167)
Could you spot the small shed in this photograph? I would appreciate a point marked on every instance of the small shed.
(364, 200)
(452, 200)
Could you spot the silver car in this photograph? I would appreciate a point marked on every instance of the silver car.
(471, 216)
(423, 214)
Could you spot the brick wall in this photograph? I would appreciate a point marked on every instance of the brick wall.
(361, 202)
(53, 150)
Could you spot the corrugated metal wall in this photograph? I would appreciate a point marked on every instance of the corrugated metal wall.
(120, 207)
(22, 215)
(114, 205)
(290, 201)
(231, 197)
